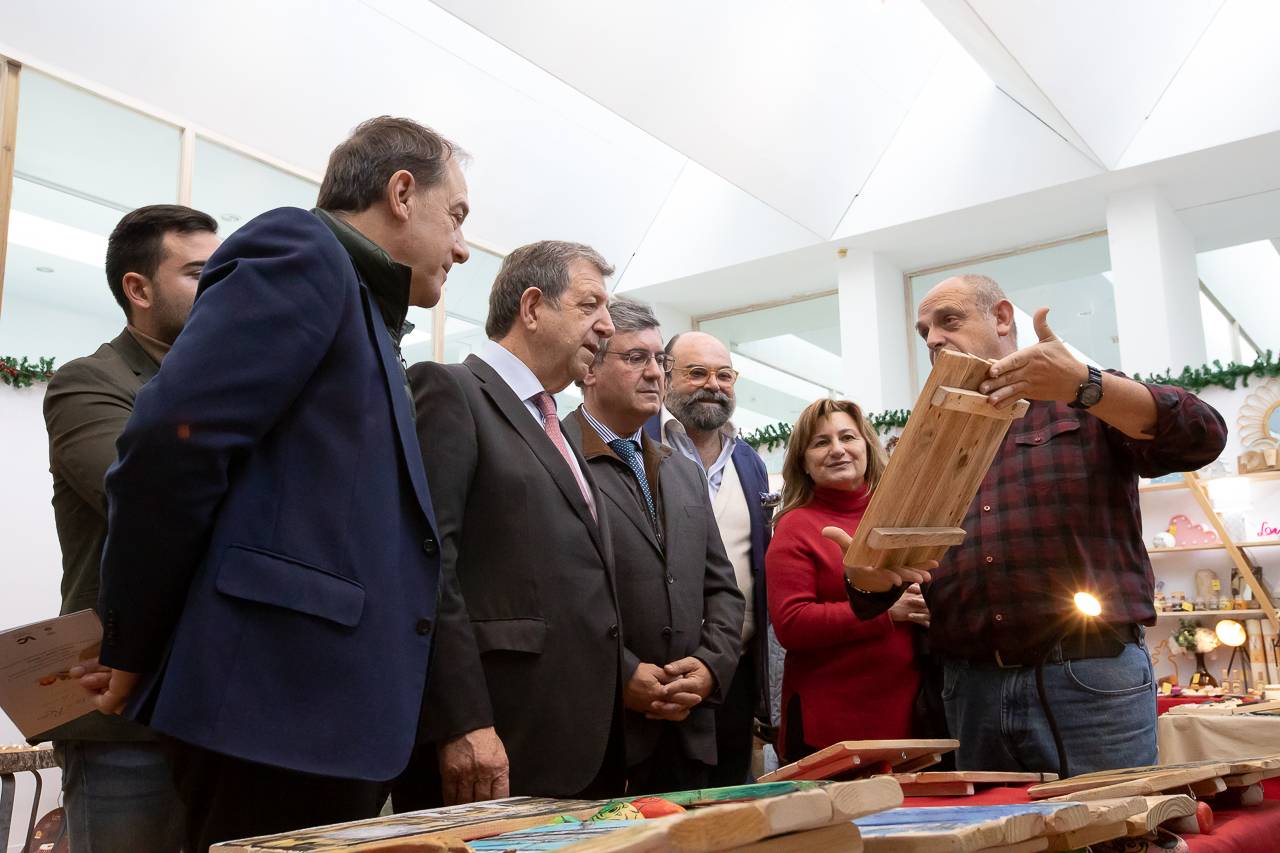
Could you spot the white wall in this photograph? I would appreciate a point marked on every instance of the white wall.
(30, 559)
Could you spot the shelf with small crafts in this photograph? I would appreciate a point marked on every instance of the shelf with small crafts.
(1210, 534)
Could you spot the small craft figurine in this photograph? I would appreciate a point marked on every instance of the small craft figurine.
(1163, 539)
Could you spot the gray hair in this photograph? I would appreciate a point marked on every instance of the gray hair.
(628, 315)
(544, 265)
(986, 295)
(360, 167)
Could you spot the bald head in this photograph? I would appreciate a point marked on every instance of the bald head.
(968, 313)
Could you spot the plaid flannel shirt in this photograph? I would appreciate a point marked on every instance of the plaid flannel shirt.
(1056, 514)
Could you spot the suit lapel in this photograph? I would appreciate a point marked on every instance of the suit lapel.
(616, 489)
(400, 403)
(134, 357)
(513, 409)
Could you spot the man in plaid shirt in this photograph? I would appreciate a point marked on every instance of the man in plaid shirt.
(1056, 514)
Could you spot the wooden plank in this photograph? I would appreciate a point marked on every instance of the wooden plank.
(1169, 777)
(10, 72)
(882, 538)
(1093, 834)
(975, 403)
(606, 836)
(1209, 787)
(919, 761)
(1144, 786)
(1063, 817)
(1158, 810)
(945, 455)
(1031, 845)
(1120, 808)
(432, 826)
(954, 829)
(852, 754)
(937, 789)
(850, 800)
(977, 777)
(839, 838)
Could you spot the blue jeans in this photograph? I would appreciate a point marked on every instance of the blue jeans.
(119, 796)
(1105, 709)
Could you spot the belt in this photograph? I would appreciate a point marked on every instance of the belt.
(1107, 642)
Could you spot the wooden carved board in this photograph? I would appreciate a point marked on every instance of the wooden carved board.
(474, 820)
(943, 455)
(1166, 776)
(852, 754)
(961, 829)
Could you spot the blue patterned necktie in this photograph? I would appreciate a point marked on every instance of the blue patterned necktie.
(629, 453)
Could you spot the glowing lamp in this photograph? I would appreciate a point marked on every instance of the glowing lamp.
(1230, 632)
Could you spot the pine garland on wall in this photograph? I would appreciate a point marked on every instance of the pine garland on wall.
(21, 374)
(1214, 374)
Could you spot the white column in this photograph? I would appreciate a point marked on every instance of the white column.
(1157, 287)
(873, 332)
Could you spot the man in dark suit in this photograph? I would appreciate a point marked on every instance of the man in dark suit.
(116, 784)
(695, 423)
(272, 565)
(538, 646)
(681, 608)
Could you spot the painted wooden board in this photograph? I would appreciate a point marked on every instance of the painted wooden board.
(17, 758)
(1059, 817)
(936, 789)
(960, 829)
(851, 755)
(473, 820)
(975, 777)
(838, 838)
(1141, 781)
(632, 836)
(1031, 845)
(1092, 834)
(1160, 809)
(944, 455)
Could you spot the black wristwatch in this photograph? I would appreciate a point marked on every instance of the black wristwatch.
(1090, 390)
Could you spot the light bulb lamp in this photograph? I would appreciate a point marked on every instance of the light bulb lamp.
(1232, 633)
(1088, 607)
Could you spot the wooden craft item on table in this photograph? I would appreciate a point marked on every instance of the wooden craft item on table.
(1094, 833)
(1031, 845)
(843, 837)
(961, 829)
(1126, 785)
(854, 755)
(1186, 532)
(1158, 810)
(943, 455)
(961, 783)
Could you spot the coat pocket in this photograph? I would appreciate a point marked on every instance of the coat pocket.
(510, 635)
(260, 576)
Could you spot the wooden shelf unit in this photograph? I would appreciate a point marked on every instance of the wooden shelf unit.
(1196, 485)
(1191, 614)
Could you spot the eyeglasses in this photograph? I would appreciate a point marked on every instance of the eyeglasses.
(638, 358)
(699, 375)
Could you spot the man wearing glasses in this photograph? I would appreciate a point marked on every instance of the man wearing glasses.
(695, 423)
(679, 601)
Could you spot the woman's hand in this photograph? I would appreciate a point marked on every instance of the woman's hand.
(871, 579)
(911, 607)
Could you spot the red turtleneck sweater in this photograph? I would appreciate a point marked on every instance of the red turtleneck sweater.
(856, 680)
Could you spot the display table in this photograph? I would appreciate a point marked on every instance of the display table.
(1164, 703)
(1249, 830)
(1198, 737)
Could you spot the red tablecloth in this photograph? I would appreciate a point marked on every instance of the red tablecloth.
(1164, 703)
(1252, 830)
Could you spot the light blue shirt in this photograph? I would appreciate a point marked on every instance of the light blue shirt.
(609, 435)
(675, 436)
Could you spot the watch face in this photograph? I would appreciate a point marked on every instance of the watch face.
(1089, 394)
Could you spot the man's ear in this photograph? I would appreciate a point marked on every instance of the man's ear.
(400, 194)
(138, 290)
(1004, 317)
(531, 302)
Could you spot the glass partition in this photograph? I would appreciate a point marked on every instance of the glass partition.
(233, 188)
(81, 162)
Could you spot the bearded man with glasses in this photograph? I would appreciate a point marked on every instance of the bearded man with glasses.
(695, 423)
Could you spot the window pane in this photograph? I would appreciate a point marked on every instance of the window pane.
(81, 163)
(1073, 280)
(466, 301)
(787, 356)
(1218, 333)
(234, 188)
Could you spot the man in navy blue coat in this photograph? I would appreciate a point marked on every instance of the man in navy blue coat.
(695, 422)
(271, 571)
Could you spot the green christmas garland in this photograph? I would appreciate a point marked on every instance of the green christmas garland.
(1195, 380)
(21, 374)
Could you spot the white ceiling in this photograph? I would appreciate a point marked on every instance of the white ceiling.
(684, 139)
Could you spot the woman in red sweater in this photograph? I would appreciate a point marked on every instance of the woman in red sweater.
(844, 679)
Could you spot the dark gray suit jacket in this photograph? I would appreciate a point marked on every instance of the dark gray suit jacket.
(537, 646)
(678, 597)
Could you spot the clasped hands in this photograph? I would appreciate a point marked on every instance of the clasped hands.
(668, 692)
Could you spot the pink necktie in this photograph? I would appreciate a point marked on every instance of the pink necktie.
(551, 425)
